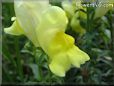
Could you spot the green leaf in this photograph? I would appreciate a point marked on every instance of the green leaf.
(35, 70)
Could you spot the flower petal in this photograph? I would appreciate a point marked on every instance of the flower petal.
(28, 14)
(75, 24)
(53, 20)
(63, 53)
(69, 8)
(15, 29)
(102, 10)
(60, 43)
(77, 56)
(60, 64)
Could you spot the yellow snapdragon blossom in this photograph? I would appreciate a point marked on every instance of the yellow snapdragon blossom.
(102, 8)
(70, 8)
(45, 26)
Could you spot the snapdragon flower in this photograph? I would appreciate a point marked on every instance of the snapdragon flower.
(45, 26)
(70, 8)
(103, 7)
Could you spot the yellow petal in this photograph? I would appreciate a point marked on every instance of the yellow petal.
(63, 53)
(60, 43)
(77, 56)
(75, 24)
(102, 10)
(15, 29)
(13, 18)
(53, 20)
(60, 64)
(69, 8)
(28, 14)
(57, 51)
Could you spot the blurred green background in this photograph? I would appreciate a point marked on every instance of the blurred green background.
(23, 63)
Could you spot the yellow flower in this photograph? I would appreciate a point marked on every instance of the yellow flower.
(27, 18)
(45, 27)
(70, 7)
(103, 7)
(64, 54)
(75, 24)
(15, 29)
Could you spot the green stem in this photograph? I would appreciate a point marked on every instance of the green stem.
(88, 19)
(19, 64)
(38, 65)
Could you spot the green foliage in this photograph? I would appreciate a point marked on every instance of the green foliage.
(23, 63)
